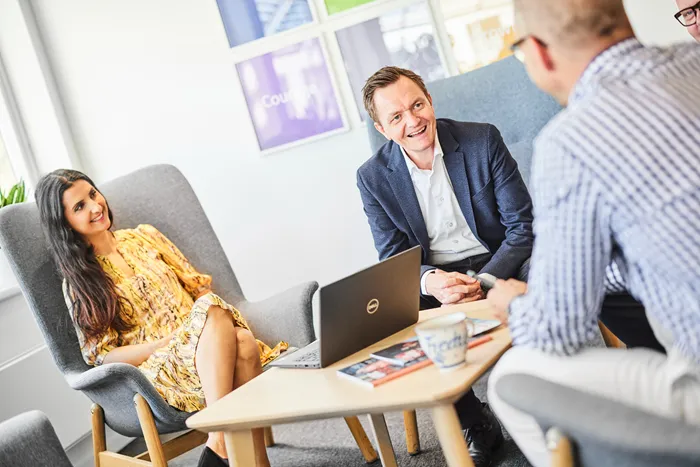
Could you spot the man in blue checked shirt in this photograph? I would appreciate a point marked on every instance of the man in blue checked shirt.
(616, 178)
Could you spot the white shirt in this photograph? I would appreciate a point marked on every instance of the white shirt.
(451, 239)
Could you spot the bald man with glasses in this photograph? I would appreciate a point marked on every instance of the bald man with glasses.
(615, 177)
(688, 13)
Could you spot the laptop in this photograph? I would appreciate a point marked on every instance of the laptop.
(361, 310)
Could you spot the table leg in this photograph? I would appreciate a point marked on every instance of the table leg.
(449, 432)
(240, 448)
(381, 434)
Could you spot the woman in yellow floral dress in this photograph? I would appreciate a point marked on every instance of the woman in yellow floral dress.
(134, 298)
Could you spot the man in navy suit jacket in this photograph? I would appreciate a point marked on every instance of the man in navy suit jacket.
(454, 189)
(471, 210)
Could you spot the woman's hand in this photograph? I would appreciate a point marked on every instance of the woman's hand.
(163, 341)
(136, 354)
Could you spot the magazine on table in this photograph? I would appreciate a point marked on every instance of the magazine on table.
(373, 372)
(402, 353)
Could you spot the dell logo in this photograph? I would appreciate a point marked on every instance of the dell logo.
(373, 306)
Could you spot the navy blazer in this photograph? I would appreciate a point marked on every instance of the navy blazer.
(488, 186)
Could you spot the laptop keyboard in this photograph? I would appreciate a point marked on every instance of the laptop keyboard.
(313, 356)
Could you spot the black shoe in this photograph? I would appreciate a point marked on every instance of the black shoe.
(484, 438)
(211, 459)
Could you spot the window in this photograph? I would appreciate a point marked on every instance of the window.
(15, 155)
(480, 32)
(7, 174)
(403, 38)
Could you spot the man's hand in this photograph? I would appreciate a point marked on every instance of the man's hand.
(453, 287)
(502, 294)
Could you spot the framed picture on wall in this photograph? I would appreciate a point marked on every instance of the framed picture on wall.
(336, 6)
(248, 20)
(291, 96)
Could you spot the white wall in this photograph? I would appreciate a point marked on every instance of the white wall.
(654, 22)
(146, 82)
(30, 380)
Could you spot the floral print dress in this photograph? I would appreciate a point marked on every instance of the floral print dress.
(167, 296)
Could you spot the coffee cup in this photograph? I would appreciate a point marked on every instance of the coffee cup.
(444, 340)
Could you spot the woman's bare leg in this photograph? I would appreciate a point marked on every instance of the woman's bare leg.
(248, 367)
(215, 361)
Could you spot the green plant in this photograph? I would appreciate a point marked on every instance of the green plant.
(17, 194)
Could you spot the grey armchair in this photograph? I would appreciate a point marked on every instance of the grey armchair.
(585, 430)
(29, 440)
(123, 397)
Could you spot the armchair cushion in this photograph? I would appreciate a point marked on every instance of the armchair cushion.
(29, 440)
(606, 433)
(287, 314)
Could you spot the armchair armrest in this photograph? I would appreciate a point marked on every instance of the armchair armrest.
(286, 316)
(29, 439)
(113, 386)
(605, 432)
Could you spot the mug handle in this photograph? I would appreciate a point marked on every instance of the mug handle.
(471, 327)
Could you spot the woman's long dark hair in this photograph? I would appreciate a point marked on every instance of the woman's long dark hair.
(97, 304)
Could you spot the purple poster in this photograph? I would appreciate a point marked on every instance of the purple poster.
(290, 95)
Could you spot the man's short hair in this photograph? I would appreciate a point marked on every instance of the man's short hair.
(383, 78)
(570, 23)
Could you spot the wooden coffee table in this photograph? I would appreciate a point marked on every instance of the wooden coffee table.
(282, 395)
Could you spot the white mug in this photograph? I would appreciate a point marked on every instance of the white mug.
(444, 340)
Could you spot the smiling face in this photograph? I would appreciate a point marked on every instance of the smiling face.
(86, 209)
(405, 115)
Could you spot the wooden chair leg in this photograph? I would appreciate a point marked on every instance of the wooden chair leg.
(610, 339)
(561, 448)
(99, 441)
(150, 433)
(361, 439)
(412, 437)
(269, 438)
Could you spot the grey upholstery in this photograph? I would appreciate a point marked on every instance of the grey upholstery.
(501, 94)
(29, 440)
(161, 196)
(605, 433)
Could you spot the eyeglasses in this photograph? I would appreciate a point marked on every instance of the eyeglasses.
(517, 50)
(688, 16)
